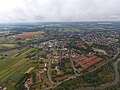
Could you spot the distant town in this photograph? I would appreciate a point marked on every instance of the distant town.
(60, 56)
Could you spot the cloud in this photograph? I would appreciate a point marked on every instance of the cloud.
(58, 10)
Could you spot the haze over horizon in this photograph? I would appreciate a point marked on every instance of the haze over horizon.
(58, 10)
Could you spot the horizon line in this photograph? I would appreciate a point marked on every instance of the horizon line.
(60, 21)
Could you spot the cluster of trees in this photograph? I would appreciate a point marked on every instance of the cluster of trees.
(92, 79)
(117, 86)
(20, 84)
(65, 59)
(2, 56)
(89, 79)
(114, 87)
(71, 84)
(87, 50)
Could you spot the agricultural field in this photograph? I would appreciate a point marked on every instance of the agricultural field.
(7, 43)
(14, 64)
(3, 40)
(61, 57)
(30, 34)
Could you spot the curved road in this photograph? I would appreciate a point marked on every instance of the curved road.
(117, 77)
(103, 86)
(116, 71)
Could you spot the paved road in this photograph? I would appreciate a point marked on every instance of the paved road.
(116, 71)
(48, 72)
(70, 54)
(115, 65)
(117, 77)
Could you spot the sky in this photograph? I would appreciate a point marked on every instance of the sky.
(59, 10)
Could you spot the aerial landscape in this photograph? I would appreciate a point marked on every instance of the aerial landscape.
(60, 56)
(59, 53)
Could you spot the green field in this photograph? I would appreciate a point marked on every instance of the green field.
(13, 65)
(8, 40)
